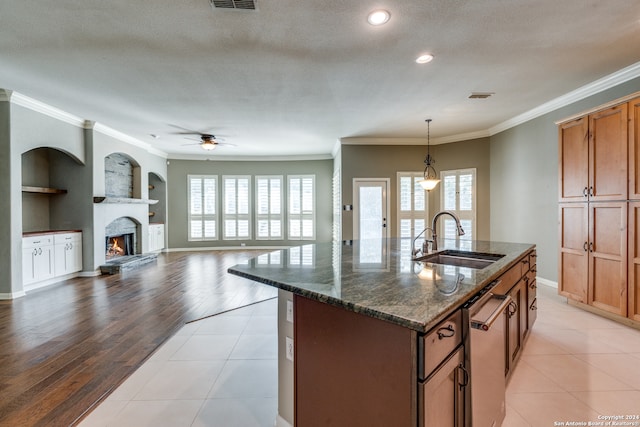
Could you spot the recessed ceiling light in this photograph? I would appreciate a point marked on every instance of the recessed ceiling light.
(378, 17)
(423, 59)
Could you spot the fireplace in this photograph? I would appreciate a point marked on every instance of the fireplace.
(121, 245)
(121, 238)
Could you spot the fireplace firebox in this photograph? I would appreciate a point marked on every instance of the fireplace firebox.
(117, 246)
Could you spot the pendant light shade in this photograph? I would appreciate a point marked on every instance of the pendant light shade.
(430, 179)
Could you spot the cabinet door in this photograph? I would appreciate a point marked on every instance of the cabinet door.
(441, 396)
(608, 158)
(61, 259)
(573, 277)
(634, 148)
(608, 257)
(28, 266)
(516, 314)
(43, 263)
(573, 160)
(633, 307)
(76, 256)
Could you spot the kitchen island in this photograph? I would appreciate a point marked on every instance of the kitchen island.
(371, 327)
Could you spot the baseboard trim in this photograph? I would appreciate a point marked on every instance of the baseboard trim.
(547, 282)
(281, 422)
(227, 248)
(11, 295)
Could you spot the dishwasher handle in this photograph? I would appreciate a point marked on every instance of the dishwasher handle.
(485, 325)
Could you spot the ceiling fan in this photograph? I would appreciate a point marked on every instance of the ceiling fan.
(207, 141)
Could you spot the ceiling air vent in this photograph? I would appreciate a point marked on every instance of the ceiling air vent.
(234, 4)
(480, 95)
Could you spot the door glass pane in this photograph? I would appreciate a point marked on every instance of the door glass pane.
(449, 189)
(466, 196)
(371, 213)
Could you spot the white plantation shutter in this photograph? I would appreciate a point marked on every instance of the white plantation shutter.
(412, 208)
(202, 194)
(301, 214)
(237, 205)
(458, 195)
(269, 209)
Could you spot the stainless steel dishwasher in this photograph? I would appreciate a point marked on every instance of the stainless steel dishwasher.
(485, 343)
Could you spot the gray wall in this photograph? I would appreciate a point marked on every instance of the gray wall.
(524, 179)
(378, 161)
(177, 171)
(9, 264)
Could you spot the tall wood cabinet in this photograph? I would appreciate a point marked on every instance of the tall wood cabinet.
(599, 181)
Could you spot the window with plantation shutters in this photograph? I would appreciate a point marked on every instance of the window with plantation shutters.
(458, 195)
(203, 206)
(236, 215)
(412, 211)
(302, 210)
(269, 208)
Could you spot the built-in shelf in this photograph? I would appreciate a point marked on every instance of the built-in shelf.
(42, 190)
(124, 200)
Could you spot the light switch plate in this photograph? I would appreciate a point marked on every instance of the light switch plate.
(289, 311)
(288, 343)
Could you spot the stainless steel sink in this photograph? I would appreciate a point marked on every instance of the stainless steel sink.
(477, 260)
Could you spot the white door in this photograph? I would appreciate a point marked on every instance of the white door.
(371, 209)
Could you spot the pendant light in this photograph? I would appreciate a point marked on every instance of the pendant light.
(430, 179)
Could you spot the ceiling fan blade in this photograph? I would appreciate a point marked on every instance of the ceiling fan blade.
(197, 143)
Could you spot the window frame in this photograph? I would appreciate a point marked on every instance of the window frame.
(269, 216)
(412, 214)
(302, 216)
(203, 217)
(463, 215)
(236, 216)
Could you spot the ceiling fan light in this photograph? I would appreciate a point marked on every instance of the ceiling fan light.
(208, 145)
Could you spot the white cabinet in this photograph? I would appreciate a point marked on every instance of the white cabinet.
(67, 253)
(156, 237)
(47, 256)
(37, 258)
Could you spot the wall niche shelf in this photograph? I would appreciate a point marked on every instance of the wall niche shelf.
(124, 200)
(42, 190)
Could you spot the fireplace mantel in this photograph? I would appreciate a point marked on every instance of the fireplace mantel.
(124, 200)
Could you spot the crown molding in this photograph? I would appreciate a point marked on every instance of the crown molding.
(212, 158)
(46, 109)
(593, 88)
(106, 130)
(414, 141)
(5, 95)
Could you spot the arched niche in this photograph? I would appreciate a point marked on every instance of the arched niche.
(157, 191)
(53, 184)
(122, 176)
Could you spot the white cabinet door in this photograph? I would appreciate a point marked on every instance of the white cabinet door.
(43, 263)
(68, 253)
(156, 237)
(37, 258)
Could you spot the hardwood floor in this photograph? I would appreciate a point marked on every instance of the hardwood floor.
(66, 347)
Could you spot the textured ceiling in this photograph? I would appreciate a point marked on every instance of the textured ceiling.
(295, 76)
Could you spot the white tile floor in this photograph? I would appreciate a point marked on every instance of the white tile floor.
(222, 371)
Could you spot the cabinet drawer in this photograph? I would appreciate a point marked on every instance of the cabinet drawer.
(67, 238)
(33, 241)
(435, 346)
(533, 260)
(508, 280)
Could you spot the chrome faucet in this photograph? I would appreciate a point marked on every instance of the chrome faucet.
(425, 244)
(433, 226)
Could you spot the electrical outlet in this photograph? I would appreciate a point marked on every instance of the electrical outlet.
(289, 311)
(288, 343)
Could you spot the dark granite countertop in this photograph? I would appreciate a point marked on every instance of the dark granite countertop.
(378, 279)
